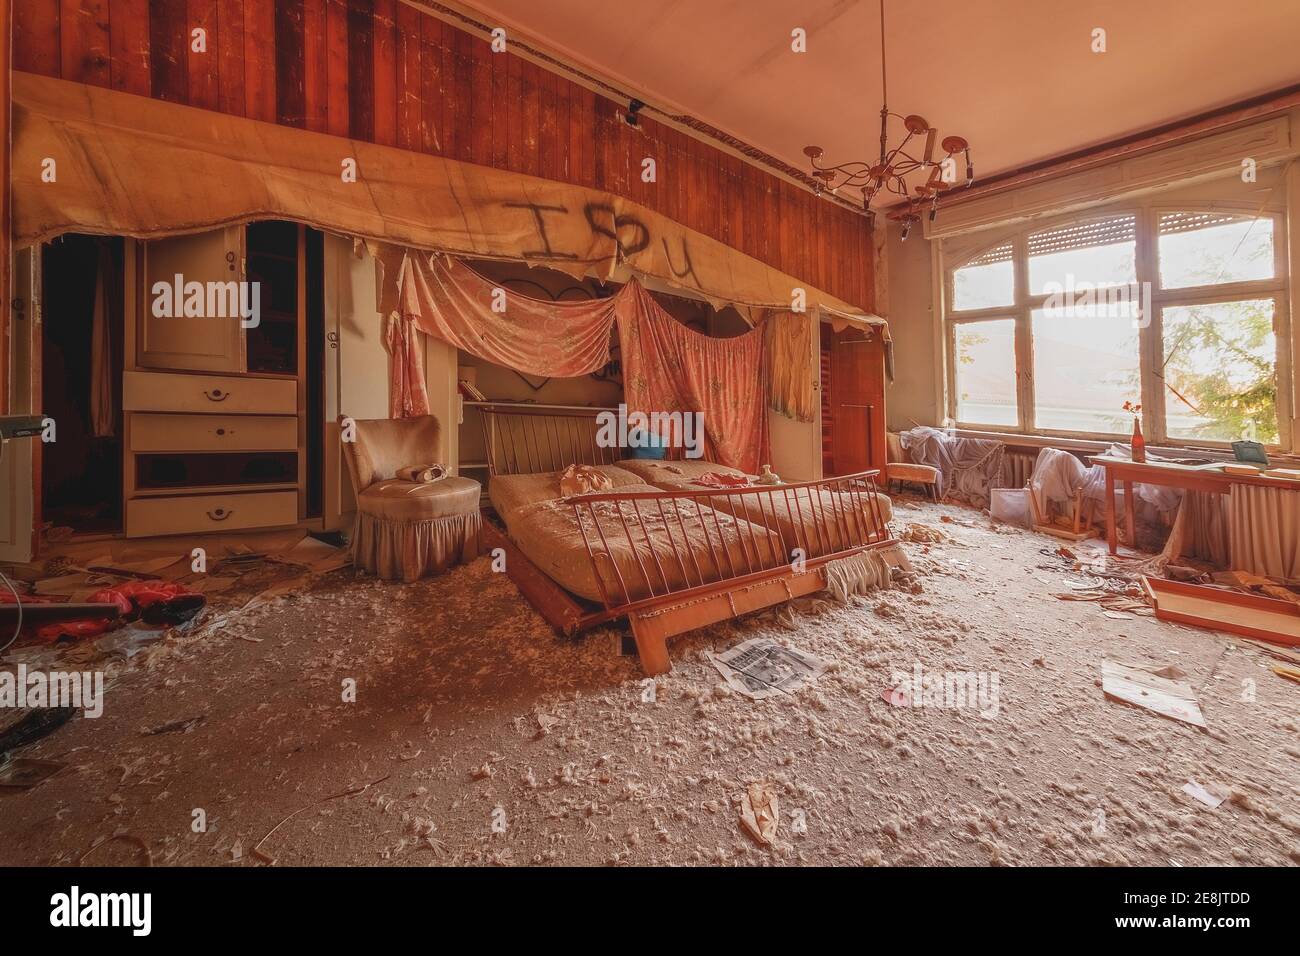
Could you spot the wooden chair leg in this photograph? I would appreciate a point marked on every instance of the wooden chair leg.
(651, 648)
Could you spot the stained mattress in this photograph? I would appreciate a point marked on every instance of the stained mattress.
(818, 521)
(511, 492)
(710, 545)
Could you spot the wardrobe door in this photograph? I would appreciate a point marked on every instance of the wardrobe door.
(209, 338)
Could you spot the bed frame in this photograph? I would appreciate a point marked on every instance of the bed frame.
(764, 572)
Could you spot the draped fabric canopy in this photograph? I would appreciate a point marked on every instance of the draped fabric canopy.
(667, 367)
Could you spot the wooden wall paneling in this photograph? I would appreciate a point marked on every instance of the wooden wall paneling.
(383, 71)
(385, 81)
(128, 46)
(201, 66)
(499, 72)
(463, 92)
(514, 112)
(168, 52)
(483, 105)
(434, 133)
(587, 135)
(361, 69)
(560, 144)
(36, 43)
(315, 78)
(7, 23)
(547, 160)
(291, 63)
(259, 60)
(531, 118)
(83, 35)
(442, 95)
(337, 116)
(409, 73)
(230, 57)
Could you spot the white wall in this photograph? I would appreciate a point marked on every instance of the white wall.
(356, 370)
(914, 397)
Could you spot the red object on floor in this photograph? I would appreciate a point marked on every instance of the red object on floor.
(131, 597)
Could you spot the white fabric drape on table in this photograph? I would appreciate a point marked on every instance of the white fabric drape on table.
(1265, 531)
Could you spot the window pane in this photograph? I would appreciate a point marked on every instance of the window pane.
(1210, 249)
(1089, 255)
(1221, 371)
(1086, 366)
(987, 282)
(986, 372)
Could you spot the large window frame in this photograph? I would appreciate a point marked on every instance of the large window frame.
(1150, 334)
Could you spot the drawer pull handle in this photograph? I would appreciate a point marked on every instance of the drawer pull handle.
(217, 395)
(220, 514)
(221, 431)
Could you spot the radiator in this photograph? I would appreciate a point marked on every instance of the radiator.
(1017, 466)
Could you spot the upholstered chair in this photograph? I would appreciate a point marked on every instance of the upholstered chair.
(901, 471)
(404, 529)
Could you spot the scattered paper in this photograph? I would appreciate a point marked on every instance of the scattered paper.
(760, 813)
(1197, 792)
(761, 668)
(1143, 688)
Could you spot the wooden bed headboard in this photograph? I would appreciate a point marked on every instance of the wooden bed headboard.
(526, 439)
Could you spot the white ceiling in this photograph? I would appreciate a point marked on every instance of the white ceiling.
(1017, 78)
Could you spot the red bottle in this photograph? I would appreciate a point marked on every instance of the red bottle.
(1139, 444)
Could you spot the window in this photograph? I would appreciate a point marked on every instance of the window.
(986, 371)
(1188, 329)
(986, 282)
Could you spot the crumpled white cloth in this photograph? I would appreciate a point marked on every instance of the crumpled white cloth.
(968, 467)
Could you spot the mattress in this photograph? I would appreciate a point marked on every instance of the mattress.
(511, 492)
(674, 475)
(548, 533)
(796, 514)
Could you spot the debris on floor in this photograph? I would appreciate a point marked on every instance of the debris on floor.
(761, 668)
(760, 812)
(1160, 691)
(1203, 794)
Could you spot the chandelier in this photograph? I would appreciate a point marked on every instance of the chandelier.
(889, 174)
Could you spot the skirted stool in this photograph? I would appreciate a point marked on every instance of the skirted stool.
(405, 529)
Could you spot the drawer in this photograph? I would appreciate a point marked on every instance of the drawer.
(213, 433)
(222, 394)
(190, 514)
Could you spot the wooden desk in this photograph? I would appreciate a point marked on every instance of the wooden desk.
(1169, 474)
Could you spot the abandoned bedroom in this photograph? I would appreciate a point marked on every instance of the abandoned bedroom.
(842, 433)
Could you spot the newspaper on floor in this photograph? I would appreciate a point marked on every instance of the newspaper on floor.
(761, 668)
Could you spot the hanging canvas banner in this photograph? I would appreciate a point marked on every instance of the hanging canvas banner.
(134, 166)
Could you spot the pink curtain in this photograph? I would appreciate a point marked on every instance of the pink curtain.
(668, 367)
(447, 299)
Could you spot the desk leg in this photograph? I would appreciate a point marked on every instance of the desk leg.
(1129, 517)
(1111, 539)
